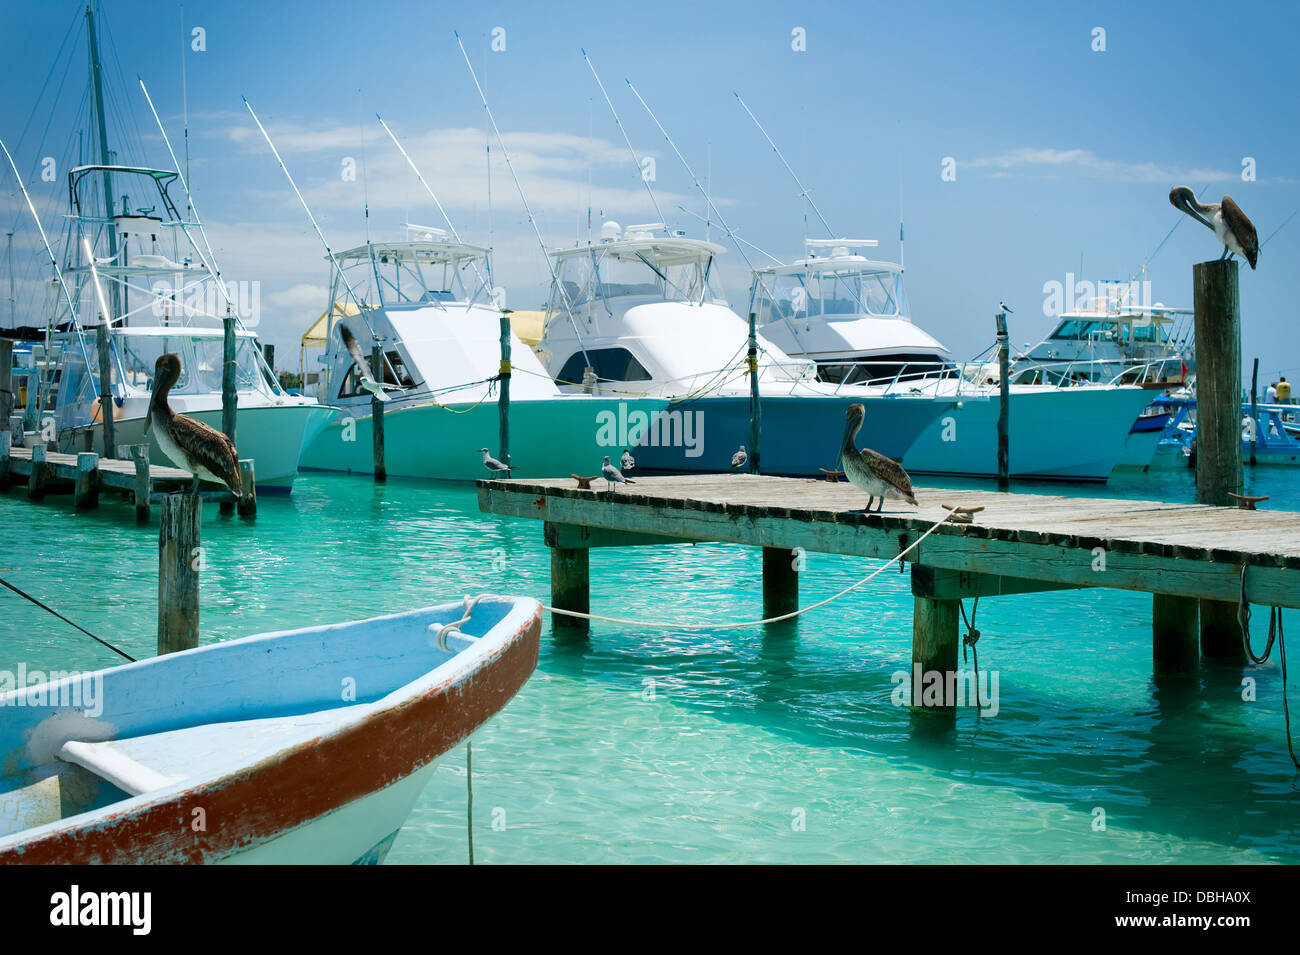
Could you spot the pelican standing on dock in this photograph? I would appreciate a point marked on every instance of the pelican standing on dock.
(203, 451)
(492, 464)
(879, 476)
(613, 476)
(1225, 219)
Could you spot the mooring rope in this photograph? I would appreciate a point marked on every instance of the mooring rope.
(27, 596)
(675, 625)
(1275, 631)
(969, 640)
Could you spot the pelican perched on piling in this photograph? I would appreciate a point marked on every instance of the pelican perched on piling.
(879, 476)
(203, 451)
(492, 464)
(1225, 219)
(613, 476)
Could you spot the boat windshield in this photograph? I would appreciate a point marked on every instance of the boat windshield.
(806, 294)
(394, 274)
(200, 363)
(602, 276)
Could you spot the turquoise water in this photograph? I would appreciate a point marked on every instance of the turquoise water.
(647, 745)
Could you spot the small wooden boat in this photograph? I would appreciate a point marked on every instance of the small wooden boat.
(302, 746)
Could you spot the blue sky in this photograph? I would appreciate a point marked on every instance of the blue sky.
(1063, 154)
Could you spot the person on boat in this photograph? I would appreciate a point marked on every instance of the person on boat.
(1270, 396)
(1283, 391)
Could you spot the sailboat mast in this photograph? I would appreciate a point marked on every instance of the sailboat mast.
(102, 127)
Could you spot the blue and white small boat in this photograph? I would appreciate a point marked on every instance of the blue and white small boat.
(302, 746)
(1273, 429)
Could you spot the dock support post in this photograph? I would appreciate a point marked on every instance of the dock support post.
(1254, 410)
(140, 455)
(503, 401)
(1217, 309)
(1173, 634)
(248, 506)
(179, 559)
(6, 382)
(6, 437)
(35, 489)
(570, 589)
(755, 406)
(1004, 404)
(934, 654)
(86, 495)
(780, 582)
(104, 347)
(377, 417)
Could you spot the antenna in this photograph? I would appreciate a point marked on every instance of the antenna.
(636, 160)
(555, 280)
(185, 107)
(361, 310)
(803, 192)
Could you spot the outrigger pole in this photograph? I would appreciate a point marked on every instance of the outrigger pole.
(555, 280)
(338, 269)
(803, 191)
(636, 160)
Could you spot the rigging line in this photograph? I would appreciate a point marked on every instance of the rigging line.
(1279, 228)
(636, 161)
(674, 625)
(737, 237)
(27, 596)
(76, 18)
(555, 281)
(803, 190)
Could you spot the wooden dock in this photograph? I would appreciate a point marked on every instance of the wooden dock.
(86, 474)
(1190, 557)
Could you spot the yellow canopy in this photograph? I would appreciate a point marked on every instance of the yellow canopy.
(318, 334)
(527, 325)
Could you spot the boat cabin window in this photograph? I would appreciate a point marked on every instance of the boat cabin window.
(609, 364)
(602, 276)
(1075, 330)
(810, 293)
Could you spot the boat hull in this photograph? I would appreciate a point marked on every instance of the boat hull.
(1068, 434)
(336, 793)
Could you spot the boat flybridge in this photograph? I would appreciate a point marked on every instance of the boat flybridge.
(639, 312)
(429, 305)
(135, 269)
(849, 314)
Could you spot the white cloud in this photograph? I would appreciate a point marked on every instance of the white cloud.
(1085, 163)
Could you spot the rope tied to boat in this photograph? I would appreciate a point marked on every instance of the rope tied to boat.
(971, 638)
(1275, 632)
(676, 625)
(27, 596)
(446, 630)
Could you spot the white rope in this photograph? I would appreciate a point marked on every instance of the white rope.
(672, 625)
(450, 628)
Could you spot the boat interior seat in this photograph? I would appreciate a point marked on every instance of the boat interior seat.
(141, 764)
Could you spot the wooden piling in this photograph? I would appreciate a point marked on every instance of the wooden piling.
(86, 494)
(1004, 403)
(1218, 425)
(1254, 412)
(934, 653)
(248, 505)
(6, 382)
(229, 388)
(570, 589)
(780, 582)
(140, 455)
(179, 558)
(6, 439)
(1174, 624)
(377, 417)
(755, 406)
(503, 401)
(104, 348)
(36, 481)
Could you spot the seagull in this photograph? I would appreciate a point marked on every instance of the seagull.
(628, 461)
(367, 380)
(492, 464)
(879, 476)
(739, 458)
(1006, 308)
(1225, 220)
(203, 451)
(613, 476)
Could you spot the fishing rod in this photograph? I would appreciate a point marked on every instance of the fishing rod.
(555, 280)
(803, 190)
(485, 282)
(636, 161)
(210, 260)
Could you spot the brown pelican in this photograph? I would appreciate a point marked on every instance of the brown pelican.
(363, 370)
(1225, 219)
(492, 464)
(613, 476)
(879, 476)
(628, 462)
(203, 451)
(739, 458)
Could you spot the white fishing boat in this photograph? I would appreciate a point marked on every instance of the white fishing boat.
(849, 314)
(427, 302)
(639, 311)
(302, 746)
